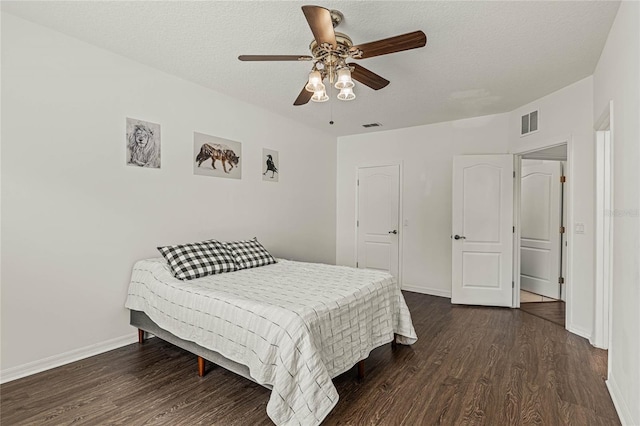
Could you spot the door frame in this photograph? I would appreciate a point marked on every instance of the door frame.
(568, 193)
(604, 230)
(398, 163)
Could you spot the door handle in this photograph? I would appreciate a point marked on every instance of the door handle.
(393, 232)
(459, 237)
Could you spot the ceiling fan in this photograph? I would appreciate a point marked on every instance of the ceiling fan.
(329, 52)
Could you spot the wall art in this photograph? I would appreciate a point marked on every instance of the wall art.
(270, 165)
(215, 156)
(143, 144)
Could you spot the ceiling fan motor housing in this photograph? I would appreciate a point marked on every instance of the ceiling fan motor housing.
(343, 44)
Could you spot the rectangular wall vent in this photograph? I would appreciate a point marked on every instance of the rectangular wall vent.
(372, 125)
(529, 123)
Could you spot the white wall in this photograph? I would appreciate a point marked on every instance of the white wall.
(568, 115)
(617, 78)
(426, 153)
(75, 218)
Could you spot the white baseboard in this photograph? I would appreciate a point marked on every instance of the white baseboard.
(579, 331)
(619, 403)
(54, 361)
(596, 343)
(427, 290)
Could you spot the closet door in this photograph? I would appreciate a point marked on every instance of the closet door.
(482, 234)
(378, 218)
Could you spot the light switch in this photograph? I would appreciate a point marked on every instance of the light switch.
(579, 228)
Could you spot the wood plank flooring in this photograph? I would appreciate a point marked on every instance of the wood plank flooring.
(551, 311)
(471, 365)
(526, 297)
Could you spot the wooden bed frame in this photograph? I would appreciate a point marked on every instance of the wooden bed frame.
(144, 324)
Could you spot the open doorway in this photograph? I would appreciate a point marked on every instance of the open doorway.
(541, 243)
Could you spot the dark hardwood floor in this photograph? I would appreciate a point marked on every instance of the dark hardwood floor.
(551, 311)
(471, 365)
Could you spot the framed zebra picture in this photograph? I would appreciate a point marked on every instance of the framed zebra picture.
(270, 165)
(215, 156)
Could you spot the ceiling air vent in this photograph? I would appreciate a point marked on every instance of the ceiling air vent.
(372, 125)
(529, 123)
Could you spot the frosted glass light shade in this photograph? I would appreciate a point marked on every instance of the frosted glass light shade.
(320, 96)
(346, 94)
(315, 82)
(344, 79)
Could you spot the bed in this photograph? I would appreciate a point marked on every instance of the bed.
(290, 326)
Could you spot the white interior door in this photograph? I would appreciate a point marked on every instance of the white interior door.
(378, 218)
(482, 244)
(540, 216)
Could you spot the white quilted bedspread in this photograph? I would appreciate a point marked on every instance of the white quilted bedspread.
(295, 325)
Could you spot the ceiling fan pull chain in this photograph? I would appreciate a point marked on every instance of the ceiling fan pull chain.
(330, 110)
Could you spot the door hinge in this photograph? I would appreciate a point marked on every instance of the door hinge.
(563, 179)
(358, 182)
(514, 229)
(562, 229)
(513, 284)
(514, 174)
(357, 265)
(357, 223)
(560, 280)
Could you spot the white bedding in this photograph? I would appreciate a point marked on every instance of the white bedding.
(295, 325)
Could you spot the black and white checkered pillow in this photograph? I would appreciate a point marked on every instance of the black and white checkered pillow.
(249, 254)
(195, 260)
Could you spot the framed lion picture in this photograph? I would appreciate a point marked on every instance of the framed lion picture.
(143, 144)
(214, 156)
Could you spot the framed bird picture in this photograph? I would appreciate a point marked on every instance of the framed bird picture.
(270, 165)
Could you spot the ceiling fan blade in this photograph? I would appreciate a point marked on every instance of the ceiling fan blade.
(368, 78)
(319, 20)
(392, 44)
(275, 58)
(303, 97)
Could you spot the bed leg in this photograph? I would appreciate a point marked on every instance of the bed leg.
(140, 336)
(201, 364)
(394, 342)
(361, 369)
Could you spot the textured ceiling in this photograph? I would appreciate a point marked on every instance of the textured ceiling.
(481, 57)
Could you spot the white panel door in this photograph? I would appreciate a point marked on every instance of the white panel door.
(482, 237)
(540, 216)
(378, 216)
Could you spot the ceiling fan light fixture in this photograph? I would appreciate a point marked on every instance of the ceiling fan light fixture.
(346, 94)
(315, 82)
(344, 79)
(331, 55)
(320, 96)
